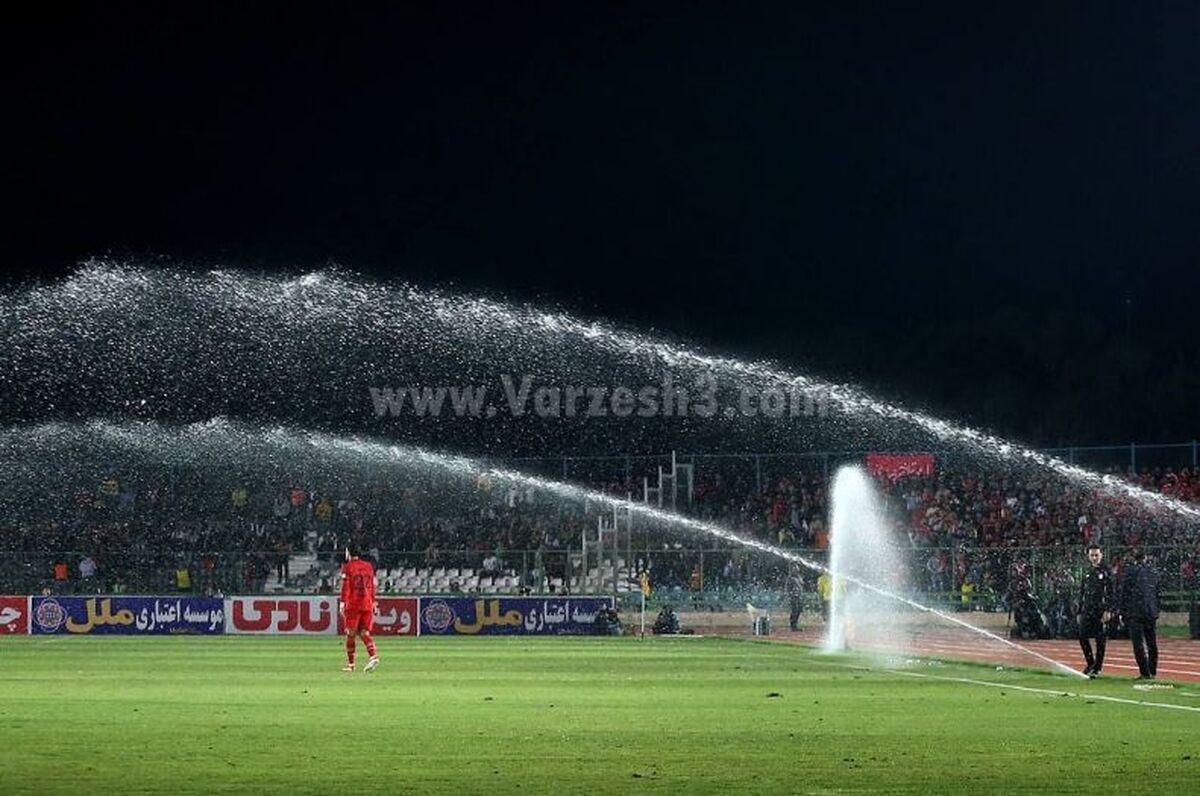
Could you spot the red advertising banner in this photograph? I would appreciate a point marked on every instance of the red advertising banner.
(899, 465)
(394, 616)
(14, 616)
(281, 615)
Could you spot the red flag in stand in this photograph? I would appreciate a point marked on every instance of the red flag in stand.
(899, 465)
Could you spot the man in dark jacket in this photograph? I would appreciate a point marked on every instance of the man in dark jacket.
(1095, 597)
(1139, 604)
(795, 593)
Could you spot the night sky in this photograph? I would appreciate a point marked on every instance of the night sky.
(988, 213)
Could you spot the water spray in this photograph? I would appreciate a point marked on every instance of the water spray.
(226, 440)
(140, 307)
(671, 518)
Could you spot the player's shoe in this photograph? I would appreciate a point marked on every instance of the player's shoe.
(371, 664)
(349, 667)
(1087, 671)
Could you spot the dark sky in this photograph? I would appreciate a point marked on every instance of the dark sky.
(991, 213)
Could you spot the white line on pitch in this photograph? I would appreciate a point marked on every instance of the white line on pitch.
(991, 684)
(1113, 661)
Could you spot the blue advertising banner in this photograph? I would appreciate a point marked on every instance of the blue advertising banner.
(121, 614)
(492, 616)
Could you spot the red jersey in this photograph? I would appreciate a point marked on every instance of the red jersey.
(358, 585)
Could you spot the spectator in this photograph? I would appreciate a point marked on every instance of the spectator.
(61, 579)
(283, 550)
(87, 572)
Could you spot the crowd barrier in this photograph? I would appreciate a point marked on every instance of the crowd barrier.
(122, 614)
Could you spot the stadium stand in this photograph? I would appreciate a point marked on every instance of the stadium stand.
(971, 536)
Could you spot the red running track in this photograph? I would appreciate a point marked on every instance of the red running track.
(1178, 659)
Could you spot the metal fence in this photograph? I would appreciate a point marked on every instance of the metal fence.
(759, 468)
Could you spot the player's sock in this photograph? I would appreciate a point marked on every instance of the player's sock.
(350, 649)
(370, 642)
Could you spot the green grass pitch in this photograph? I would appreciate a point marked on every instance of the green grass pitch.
(583, 715)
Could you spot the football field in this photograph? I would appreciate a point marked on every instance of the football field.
(566, 715)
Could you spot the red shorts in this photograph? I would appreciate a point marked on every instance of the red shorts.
(359, 620)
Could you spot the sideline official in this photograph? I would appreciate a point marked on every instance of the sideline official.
(1139, 604)
(795, 593)
(825, 592)
(1095, 601)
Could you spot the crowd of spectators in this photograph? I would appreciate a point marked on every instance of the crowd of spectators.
(973, 534)
(968, 533)
(185, 534)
